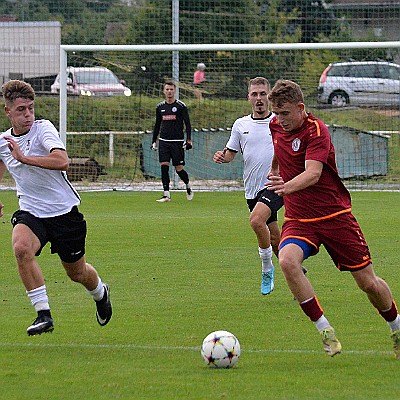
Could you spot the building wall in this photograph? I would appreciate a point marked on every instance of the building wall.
(380, 18)
(29, 49)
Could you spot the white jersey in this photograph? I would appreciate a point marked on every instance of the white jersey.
(253, 139)
(42, 192)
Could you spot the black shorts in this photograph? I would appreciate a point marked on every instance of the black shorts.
(171, 150)
(270, 199)
(66, 233)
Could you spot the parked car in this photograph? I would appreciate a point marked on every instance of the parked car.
(92, 81)
(360, 83)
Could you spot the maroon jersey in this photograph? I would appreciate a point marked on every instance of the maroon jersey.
(312, 141)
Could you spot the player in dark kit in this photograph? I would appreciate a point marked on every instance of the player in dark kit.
(171, 115)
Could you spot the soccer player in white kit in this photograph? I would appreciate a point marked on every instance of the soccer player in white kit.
(35, 156)
(251, 136)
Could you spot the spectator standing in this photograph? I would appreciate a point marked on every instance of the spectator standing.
(198, 80)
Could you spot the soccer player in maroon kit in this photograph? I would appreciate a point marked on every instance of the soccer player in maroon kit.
(318, 211)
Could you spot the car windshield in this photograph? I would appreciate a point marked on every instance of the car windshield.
(96, 77)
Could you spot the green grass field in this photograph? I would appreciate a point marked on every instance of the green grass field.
(178, 271)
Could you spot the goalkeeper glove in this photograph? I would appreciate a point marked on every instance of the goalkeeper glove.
(153, 146)
(187, 145)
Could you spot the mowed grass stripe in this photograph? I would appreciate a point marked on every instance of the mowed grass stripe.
(177, 272)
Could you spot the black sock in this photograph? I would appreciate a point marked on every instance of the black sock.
(183, 175)
(44, 313)
(165, 177)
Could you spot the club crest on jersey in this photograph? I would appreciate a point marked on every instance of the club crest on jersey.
(174, 109)
(296, 144)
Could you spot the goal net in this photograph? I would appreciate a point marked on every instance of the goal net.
(109, 137)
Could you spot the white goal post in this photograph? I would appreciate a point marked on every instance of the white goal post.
(173, 49)
(64, 49)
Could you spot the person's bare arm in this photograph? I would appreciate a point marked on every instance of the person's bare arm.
(56, 160)
(2, 170)
(307, 178)
(274, 171)
(224, 156)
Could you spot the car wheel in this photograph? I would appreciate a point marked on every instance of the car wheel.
(339, 99)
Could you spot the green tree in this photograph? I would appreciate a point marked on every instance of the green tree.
(217, 21)
(314, 18)
(70, 10)
(26, 10)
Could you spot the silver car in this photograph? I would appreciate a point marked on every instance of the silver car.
(373, 83)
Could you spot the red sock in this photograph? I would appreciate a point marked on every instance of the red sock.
(312, 309)
(391, 314)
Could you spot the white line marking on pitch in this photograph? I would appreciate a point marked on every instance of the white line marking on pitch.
(188, 348)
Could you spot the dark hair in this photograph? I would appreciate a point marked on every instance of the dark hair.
(16, 89)
(259, 80)
(171, 83)
(285, 91)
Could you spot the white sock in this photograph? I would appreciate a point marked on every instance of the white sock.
(97, 293)
(395, 325)
(322, 323)
(167, 193)
(266, 258)
(38, 298)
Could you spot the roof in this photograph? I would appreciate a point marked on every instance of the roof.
(30, 24)
(383, 5)
(364, 62)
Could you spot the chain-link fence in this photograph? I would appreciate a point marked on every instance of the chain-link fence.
(109, 125)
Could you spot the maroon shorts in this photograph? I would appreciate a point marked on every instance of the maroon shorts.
(341, 236)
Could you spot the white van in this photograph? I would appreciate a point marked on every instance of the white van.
(92, 81)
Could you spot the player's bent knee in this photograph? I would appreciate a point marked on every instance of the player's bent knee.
(289, 262)
(286, 263)
(74, 275)
(23, 250)
(257, 223)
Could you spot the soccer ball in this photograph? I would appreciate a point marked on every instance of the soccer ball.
(220, 349)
